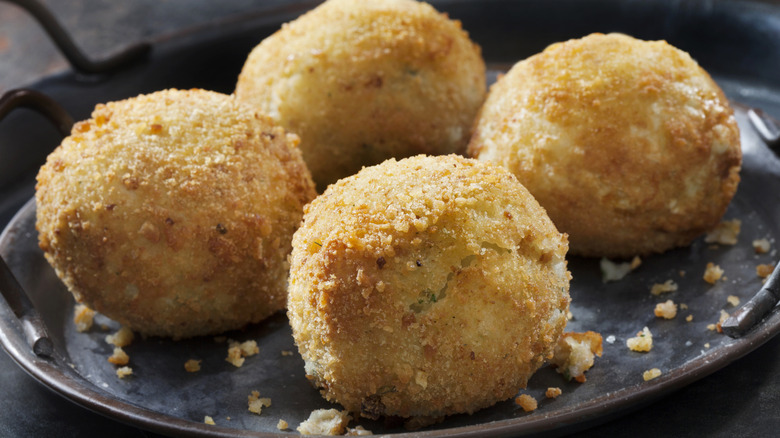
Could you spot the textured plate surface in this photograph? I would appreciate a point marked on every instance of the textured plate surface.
(162, 397)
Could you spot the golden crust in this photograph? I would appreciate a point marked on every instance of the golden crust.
(361, 81)
(425, 287)
(173, 212)
(628, 144)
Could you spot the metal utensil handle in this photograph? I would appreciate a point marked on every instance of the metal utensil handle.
(32, 324)
(755, 309)
(72, 53)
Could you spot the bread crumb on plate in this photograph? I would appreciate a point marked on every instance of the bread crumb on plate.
(553, 392)
(83, 317)
(124, 372)
(325, 422)
(651, 374)
(256, 404)
(575, 353)
(208, 420)
(237, 352)
(358, 431)
(122, 338)
(733, 300)
(119, 357)
(642, 342)
(526, 402)
(662, 288)
(761, 246)
(764, 270)
(666, 310)
(192, 365)
(713, 273)
(282, 425)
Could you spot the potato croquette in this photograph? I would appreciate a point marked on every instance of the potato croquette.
(173, 212)
(361, 81)
(425, 287)
(629, 145)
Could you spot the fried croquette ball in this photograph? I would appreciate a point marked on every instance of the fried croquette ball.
(173, 212)
(361, 81)
(426, 287)
(629, 145)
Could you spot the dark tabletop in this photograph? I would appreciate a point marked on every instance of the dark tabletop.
(741, 400)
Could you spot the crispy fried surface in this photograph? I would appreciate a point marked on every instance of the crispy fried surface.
(361, 81)
(426, 286)
(173, 212)
(629, 145)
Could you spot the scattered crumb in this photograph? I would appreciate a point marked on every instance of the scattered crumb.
(712, 273)
(764, 271)
(83, 317)
(761, 246)
(717, 327)
(526, 402)
(651, 374)
(643, 341)
(122, 338)
(689, 318)
(238, 351)
(610, 339)
(725, 233)
(325, 422)
(248, 348)
(287, 353)
(569, 315)
(707, 345)
(192, 366)
(282, 425)
(119, 357)
(666, 310)
(124, 372)
(256, 404)
(209, 420)
(574, 354)
(733, 300)
(662, 288)
(234, 357)
(358, 431)
(553, 392)
(611, 271)
(682, 273)
(683, 306)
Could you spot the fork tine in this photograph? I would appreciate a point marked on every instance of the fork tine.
(765, 125)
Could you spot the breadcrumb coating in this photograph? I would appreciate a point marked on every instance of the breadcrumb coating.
(361, 81)
(426, 287)
(173, 212)
(630, 146)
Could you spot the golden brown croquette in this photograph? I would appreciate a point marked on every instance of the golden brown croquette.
(425, 287)
(629, 145)
(361, 81)
(173, 212)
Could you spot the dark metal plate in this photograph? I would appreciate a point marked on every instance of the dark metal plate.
(162, 397)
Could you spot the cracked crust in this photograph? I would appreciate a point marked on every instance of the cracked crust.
(425, 287)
